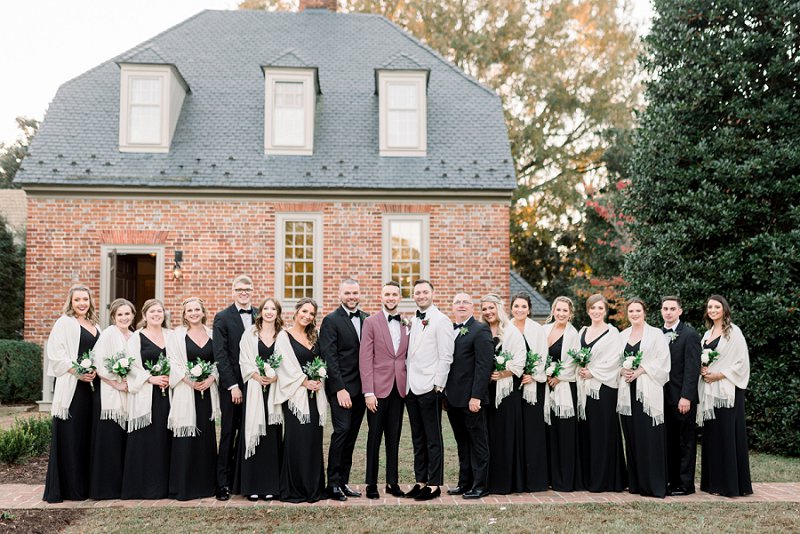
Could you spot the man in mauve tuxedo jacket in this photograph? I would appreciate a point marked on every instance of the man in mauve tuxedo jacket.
(229, 325)
(467, 394)
(382, 363)
(680, 398)
(339, 342)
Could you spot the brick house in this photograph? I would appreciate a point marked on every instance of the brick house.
(301, 148)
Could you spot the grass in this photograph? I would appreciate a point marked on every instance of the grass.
(588, 518)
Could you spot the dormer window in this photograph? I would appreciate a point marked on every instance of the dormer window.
(290, 98)
(403, 113)
(151, 97)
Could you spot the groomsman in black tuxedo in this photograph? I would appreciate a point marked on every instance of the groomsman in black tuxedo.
(680, 398)
(339, 342)
(467, 393)
(229, 325)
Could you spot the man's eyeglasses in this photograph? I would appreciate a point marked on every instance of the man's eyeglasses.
(243, 291)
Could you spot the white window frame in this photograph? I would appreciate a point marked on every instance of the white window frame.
(406, 304)
(419, 80)
(129, 74)
(307, 78)
(105, 273)
(280, 244)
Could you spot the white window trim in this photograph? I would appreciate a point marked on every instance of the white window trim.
(128, 74)
(418, 78)
(306, 77)
(105, 273)
(406, 304)
(280, 243)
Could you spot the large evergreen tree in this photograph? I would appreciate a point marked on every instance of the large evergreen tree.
(716, 186)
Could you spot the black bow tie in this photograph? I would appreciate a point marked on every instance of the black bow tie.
(353, 314)
(395, 318)
(421, 314)
(248, 311)
(665, 330)
(458, 326)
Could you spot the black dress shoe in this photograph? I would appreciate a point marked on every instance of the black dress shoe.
(252, 498)
(413, 492)
(680, 491)
(475, 494)
(458, 490)
(335, 494)
(427, 494)
(224, 493)
(347, 490)
(394, 490)
(372, 491)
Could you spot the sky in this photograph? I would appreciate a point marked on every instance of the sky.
(44, 43)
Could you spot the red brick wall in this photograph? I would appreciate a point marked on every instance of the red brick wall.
(469, 248)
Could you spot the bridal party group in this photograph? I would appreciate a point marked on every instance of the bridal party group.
(532, 407)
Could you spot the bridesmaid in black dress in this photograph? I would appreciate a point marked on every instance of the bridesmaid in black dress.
(599, 432)
(195, 405)
(73, 336)
(302, 473)
(258, 467)
(534, 388)
(147, 455)
(111, 414)
(725, 468)
(563, 462)
(504, 411)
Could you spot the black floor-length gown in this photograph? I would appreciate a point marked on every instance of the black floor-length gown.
(260, 474)
(645, 447)
(302, 471)
(147, 454)
(563, 463)
(193, 459)
(725, 467)
(108, 454)
(534, 438)
(69, 465)
(504, 426)
(600, 437)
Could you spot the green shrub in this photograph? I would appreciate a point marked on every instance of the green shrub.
(15, 445)
(40, 429)
(20, 371)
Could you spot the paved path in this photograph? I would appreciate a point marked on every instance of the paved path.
(29, 496)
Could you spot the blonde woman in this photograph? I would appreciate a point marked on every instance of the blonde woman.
(725, 468)
(504, 411)
(194, 408)
(110, 437)
(71, 341)
(258, 467)
(565, 468)
(147, 455)
(599, 433)
(535, 396)
(304, 406)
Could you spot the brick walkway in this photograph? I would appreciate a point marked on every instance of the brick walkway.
(29, 496)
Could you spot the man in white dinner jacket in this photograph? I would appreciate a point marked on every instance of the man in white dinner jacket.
(430, 353)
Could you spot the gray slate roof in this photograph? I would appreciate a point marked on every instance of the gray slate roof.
(540, 307)
(219, 139)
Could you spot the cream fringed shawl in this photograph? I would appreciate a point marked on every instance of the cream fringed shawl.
(62, 352)
(537, 342)
(514, 343)
(256, 414)
(561, 396)
(182, 418)
(140, 391)
(604, 364)
(734, 363)
(113, 402)
(289, 387)
(656, 363)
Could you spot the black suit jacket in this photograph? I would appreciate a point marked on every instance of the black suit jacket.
(685, 370)
(339, 345)
(471, 369)
(228, 330)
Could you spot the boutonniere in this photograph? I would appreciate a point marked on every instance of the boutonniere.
(424, 323)
(672, 336)
(463, 331)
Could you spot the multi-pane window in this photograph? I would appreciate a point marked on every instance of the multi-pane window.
(144, 122)
(298, 256)
(290, 98)
(402, 118)
(288, 128)
(402, 107)
(405, 250)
